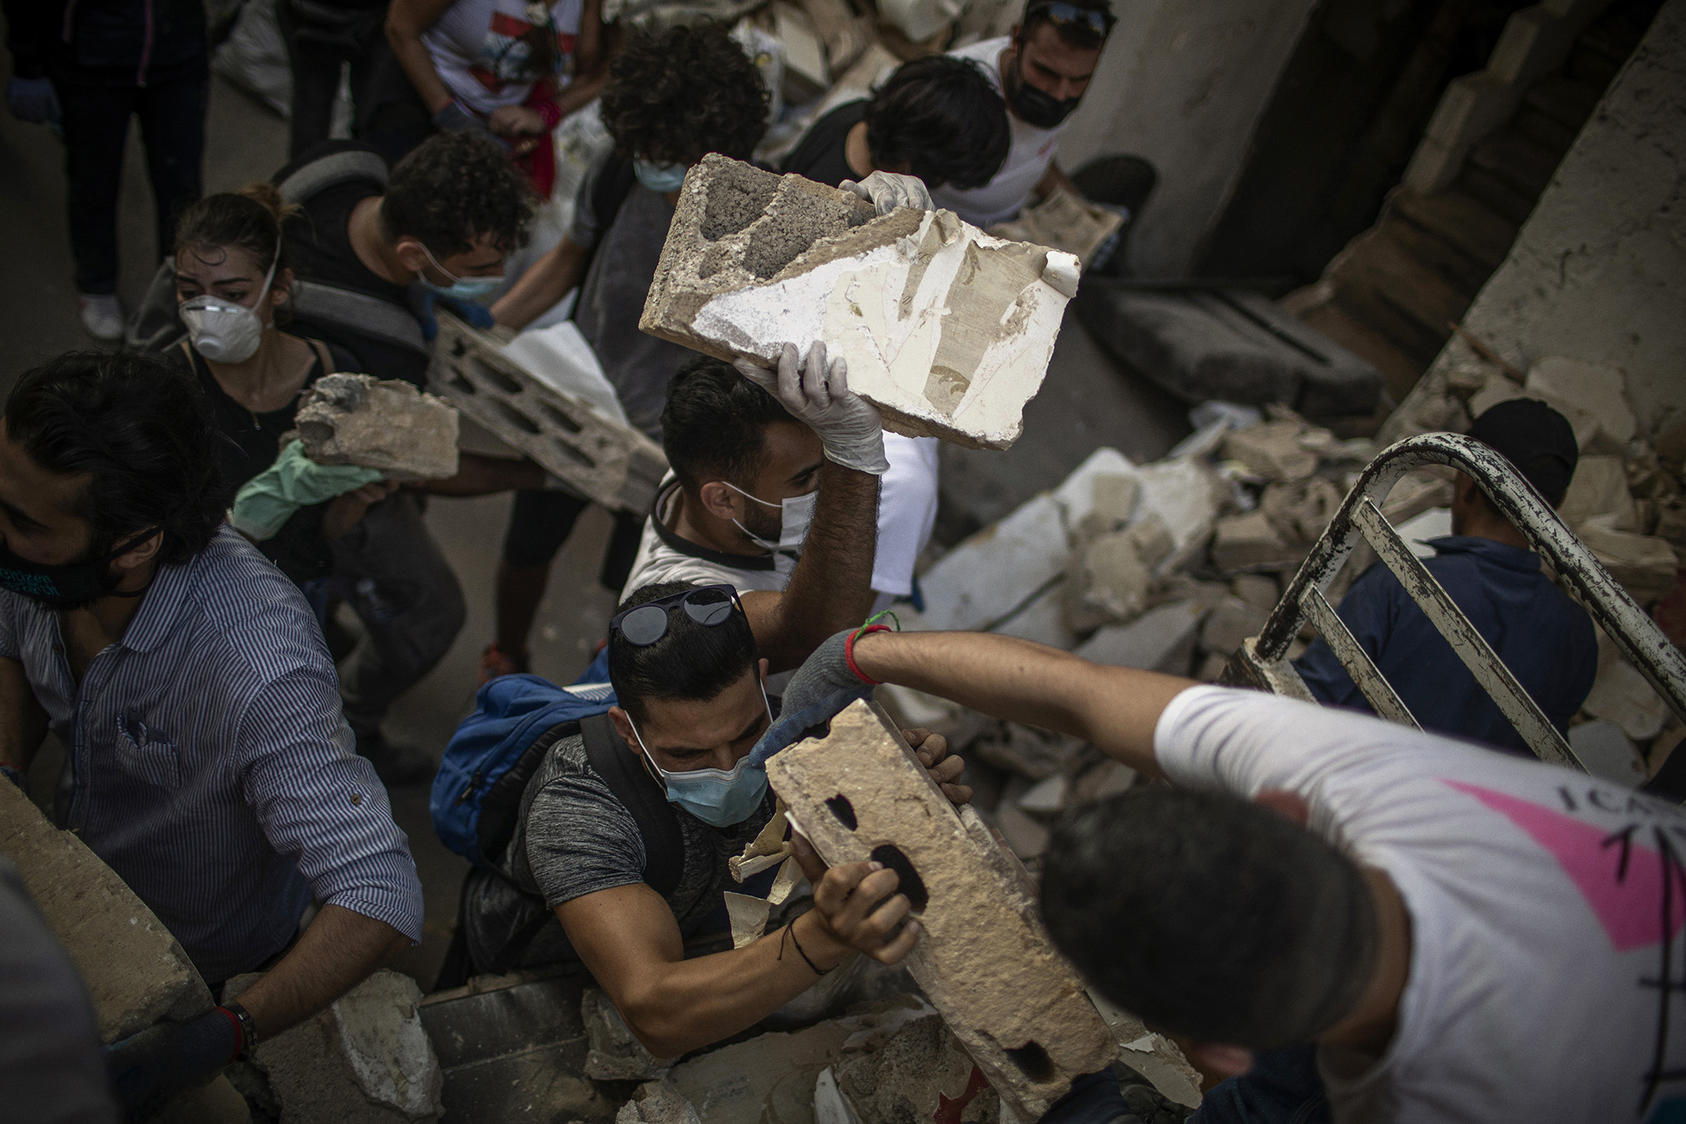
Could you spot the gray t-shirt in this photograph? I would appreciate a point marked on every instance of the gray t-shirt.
(612, 294)
(577, 838)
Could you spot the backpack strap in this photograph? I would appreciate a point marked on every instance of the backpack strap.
(330, 170)
(664, 850)
(322, 303)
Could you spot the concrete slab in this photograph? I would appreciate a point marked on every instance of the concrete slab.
(378, 423)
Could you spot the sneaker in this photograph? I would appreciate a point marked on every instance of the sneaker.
(101, 316)
(494, 661)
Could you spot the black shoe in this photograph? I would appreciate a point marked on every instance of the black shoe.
(397, 763)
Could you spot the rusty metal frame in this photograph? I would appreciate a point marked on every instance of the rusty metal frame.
(1262, 660)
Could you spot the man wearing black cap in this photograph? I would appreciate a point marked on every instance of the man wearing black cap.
(1545, 639)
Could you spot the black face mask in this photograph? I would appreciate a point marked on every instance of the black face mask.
(68, 585)
(1033, 106)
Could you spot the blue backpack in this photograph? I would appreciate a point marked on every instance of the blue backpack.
(495, 751)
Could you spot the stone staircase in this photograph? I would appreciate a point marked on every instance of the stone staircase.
(1392, 295)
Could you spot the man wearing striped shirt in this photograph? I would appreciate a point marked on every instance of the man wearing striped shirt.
(211, 765)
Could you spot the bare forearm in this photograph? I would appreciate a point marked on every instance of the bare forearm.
(581, 90)
(481, 475)
(546, 281)
(405, 22)
(23, 724)
(695, 1003)
(1114, 708)
(831, 587)
(333, 955)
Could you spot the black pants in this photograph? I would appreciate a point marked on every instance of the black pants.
(322, 38)
(97, 105)
(541, 521)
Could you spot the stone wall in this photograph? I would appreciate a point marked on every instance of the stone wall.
(1184, 86)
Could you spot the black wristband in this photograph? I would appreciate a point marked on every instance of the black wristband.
(248, 1030)
(791, 929)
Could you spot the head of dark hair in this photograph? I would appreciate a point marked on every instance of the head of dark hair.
(677, 94)
(692, 661)
(1538, 441)
(249, 219)
(139, 428)
(941, 119)
(1210, 916)
(454, 189)
(713, 423)
(1076, 34)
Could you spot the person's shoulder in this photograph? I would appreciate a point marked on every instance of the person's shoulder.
(239, 593)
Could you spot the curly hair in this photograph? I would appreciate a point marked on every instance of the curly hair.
(453, 190)
(676, 95)
(941, 119)
(141, 430)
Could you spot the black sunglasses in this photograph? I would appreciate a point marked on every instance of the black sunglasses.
(1061, 14)
(707, 605)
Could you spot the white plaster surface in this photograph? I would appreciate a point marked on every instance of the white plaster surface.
(888, 313)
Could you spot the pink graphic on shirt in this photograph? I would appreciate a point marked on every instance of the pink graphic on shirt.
(1621, 881)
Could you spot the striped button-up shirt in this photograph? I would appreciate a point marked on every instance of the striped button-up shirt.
(212, 767)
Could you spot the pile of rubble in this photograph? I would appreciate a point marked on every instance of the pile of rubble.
(1169, 566)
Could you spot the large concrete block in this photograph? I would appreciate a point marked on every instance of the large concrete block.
(365, 1060)
(948, 330)
(135, 971)
(600, 457)
(983, 960)
(379, 423)
(988, 577)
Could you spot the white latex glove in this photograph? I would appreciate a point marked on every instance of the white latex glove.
(888, 190)
(817, 394)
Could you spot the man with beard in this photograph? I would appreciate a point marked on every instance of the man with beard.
(1042, 70)
(209, 761)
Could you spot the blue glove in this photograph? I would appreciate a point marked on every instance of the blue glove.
(458, 118)
(475, 315)
(150, 1069)
(819, 690)
(33, 100)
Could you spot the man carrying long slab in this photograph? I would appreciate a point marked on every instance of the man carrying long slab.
(1457, 935)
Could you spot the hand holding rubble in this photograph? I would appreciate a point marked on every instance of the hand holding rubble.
(944, 767)
(887, 191)
(816, 392)
(860, 907)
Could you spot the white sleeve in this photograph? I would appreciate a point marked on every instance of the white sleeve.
(907, 511)
(1243, 742)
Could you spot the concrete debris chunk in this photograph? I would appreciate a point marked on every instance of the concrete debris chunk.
(1065, 222)
(1272, 450)
(135, 972)
(1161, 639)
(1258, 590)
(1027, 751)
(1229, 624)
(1301, 510)
(1108, 582)
(365, 1060)
(1251, 542)
(1599, 488)
(1079, 493)
(554, 412)
(1622, 695)
(1043, 620)
(1113, 503)
(378, 423)
(1645, 565)
(615, 1053)
(1105, 778)
(921, 1073)
(989, 576)
(1607, 752)
(658, 1102)
(1188, 497)
(946, 329)
(1026, 837)
(1046, 797)
(1594, 399)
(982, 959)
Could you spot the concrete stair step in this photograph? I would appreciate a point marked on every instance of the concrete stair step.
(1518, 160)
(1567, 101)
(1478, 231)
(1379, 281)
(1400, 370)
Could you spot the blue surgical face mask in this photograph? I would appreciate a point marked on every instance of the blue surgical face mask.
(470, 290)
(718, 797)
(660, 178)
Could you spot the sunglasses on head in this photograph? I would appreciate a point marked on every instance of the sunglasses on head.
(643, 625)
(1061, 14)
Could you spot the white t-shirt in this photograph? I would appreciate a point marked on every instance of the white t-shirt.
(1535, 895)
(477, 49)
(907, 511)
(1027, 160)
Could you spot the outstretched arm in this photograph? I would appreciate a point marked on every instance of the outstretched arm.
(334, 954)
(1114, 708)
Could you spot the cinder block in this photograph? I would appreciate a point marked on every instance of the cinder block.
(135, 971)
(600, 457)
(948, 330)
(379, 423)
(983, 960)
